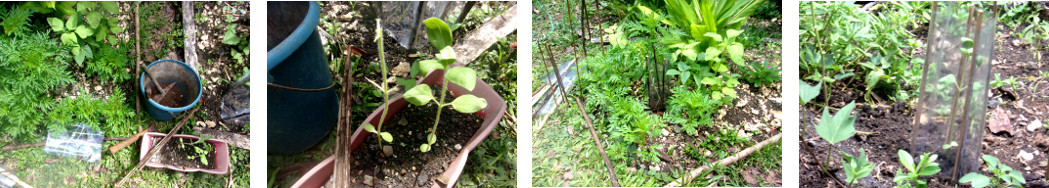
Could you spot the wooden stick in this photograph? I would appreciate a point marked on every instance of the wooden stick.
(724, 162)
(138, 59)
(23, 146)
(156, 147)
(343, 152)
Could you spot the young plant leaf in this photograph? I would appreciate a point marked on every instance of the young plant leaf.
(439, 33)
(84, 32)
(419, 95)
(839, 127)
(468, 104)
(856, 167)
(978, 180)
(93, 19)
(369, 127)
(386, 136)
(432, 138)
(735, 52)
(808, 92)
(464, 77)
(110, 6)
(906, 160)
(446, 56)
(56, 24)
(424, 148)
(429, 65)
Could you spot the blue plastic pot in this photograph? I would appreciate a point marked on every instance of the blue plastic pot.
(187, 81)
(297, 120)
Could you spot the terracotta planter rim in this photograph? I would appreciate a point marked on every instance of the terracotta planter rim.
(221, 157)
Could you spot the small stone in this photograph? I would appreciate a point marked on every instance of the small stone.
(387, 150)
(1034, 125)
(422, 179)
(458, 147)
(369, 180)
(210, 123)
(1024, 156)
(201, 124)
(665, 132)
(999, 121)
(98, 88)
(404, 171)
(567, 176)
(413, 168)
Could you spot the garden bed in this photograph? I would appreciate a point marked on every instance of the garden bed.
(887, 125)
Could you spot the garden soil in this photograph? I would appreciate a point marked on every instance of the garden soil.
(890, 124)
(218, 68)
(180, 152)
(408, 167)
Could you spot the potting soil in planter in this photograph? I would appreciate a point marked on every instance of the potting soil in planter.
(181, 152)
(408, 167)
(174, 98)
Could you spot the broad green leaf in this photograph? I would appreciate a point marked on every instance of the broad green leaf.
(673, 72)
(461, 76)
(78, 56)
(468, 103)
(978, 180)
(735, 52)
(426, 66)
(684, 76)
(906, 160)
(713, 35)
(86, 50)
(419, 95)
(839, 127)
(446, 56)
(101, 32)
(439, 33)
(711, 53)
(386, 136)
(66, 7)
(808, 92)
(719, 67)
(716, 95)
(84, 32)
(69, 39)
(424, 148)
(432, 138)
(728, 92)
(73, 21)
(873, 77)
(94, 19)
(368, 127)
(84, 5)
(56, 24)
(709, 81)
(991, 161)
(110, 6)
(732, 33)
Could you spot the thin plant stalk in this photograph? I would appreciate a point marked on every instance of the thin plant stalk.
(385, 92)
(440, 104)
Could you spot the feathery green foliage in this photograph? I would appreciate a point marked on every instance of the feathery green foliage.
(15, 22)
(30, 68)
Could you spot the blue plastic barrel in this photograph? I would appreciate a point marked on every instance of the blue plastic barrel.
(186, 80)
(297, 120)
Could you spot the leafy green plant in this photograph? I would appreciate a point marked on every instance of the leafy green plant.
(110, 115)
(385, 91)
(15, 22)
(763, 73)
(202, 149)
(926, 166)
(89, 19)
(110, 63)
(240, 44)
(691, 109)
(856, 167)
(1004, 176)
(837, 128)
(440, 36)
(31, 68)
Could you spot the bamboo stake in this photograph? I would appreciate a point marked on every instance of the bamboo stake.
(138, 59)
(724, 162)
(590, 124)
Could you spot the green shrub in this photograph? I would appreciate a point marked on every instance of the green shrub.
(15, 22)
(110, 63)
(691, 109)
(30, 68)
(111, 115)
(86, 23)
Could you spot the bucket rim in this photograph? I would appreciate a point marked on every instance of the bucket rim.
(297, 37)
(200, 86)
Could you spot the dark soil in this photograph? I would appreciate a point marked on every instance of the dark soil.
(283, 18)
(408, 167)
(217, 68)
(172, 98)
(891, 124)
(182, 152)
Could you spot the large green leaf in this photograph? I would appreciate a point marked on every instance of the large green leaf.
(85, 5)
(735, 52)
(429, 65)
(73, 21)
(839, 127)
(69, 39)
(419, 95)
(84, 32)
(808, 92)
(56, 24)
(468, 104)
(439, 33)
(978, 180)
(461, 76)
(66, 7)
(94, 19)
(873, 77)
(110, 6)
(906, 160)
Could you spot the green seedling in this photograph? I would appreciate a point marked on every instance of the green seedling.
(383, 136)
(926, 166)
(837, 128)
(1006, 176)
(441, 38)
(856, 167)
(808, 92)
